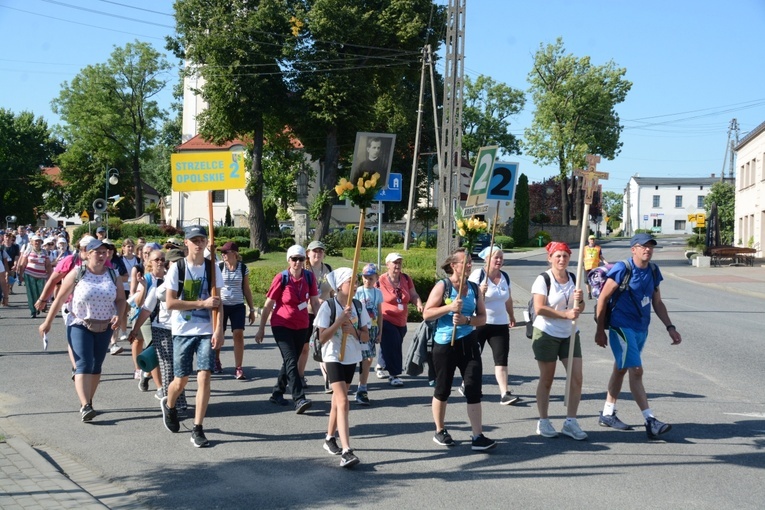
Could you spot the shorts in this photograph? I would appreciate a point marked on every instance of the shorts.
(368, 350)
(236, 313)
(184, 348)
(627, 344)
(549, 348)
(337, 372)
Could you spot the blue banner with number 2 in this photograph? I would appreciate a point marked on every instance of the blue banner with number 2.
(503, 179)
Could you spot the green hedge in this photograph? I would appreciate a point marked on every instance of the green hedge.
(504, 241)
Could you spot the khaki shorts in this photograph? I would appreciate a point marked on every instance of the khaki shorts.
(550, 349)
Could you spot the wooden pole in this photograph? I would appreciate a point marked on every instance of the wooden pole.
(579, 267)
(491, 243)
(211, 246)
(356, 256)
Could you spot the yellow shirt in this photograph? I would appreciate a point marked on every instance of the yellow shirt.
(591, 257)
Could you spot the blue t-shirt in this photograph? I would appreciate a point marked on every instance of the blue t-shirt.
(444, 325)
(633, 309)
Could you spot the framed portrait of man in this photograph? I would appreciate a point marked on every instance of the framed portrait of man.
(372, 153)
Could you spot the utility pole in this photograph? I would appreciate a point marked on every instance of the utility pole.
(415, 157)
(451, 128)
(733, 136)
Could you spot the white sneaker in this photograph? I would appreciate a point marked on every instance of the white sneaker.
(381, 373)
(571, 429)
(545, 429)
(395, 381)
(115, 349)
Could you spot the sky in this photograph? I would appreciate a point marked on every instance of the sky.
(695, 65)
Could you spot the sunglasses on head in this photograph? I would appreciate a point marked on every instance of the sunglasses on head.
(297, 259)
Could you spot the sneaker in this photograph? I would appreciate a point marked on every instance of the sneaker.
(380, 371)
(462, 389)
(571, 429)
(348, 459)
(545, 429)
(160, 394)
(302, 405)
(198, 438)
(278, 398)
(240, 374)
(123, 336)
(143, 382)
(137, 375)
(395, 381)
(362, 398)
(87, 412)
(443, 438)
(612, 421)
(654, 428)
(218, 367)
(169, 416)
(331, 446)
(115, 349)
(482, 443)
(509, 399)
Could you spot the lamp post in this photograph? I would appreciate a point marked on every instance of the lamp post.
(112, 177)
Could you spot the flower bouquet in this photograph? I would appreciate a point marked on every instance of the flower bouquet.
(469, 228)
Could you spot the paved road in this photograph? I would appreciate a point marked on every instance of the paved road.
(262, 456)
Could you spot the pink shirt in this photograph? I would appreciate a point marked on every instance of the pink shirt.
(395, 306)
(291, 301)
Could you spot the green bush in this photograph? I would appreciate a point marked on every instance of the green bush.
(249, 254)
(504, 241)
(232, 232)
(546, 238)
(280, 243)
(135, 230)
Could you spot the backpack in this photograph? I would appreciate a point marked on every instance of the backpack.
(483, 275)
(315, 341)
(81, 272)
(597, 279)
(624, 286)
(309, 276)
(242, 267)
(182, 276)
(530, 306)
(447, 293)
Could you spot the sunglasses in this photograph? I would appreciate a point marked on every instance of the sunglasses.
(297, 259)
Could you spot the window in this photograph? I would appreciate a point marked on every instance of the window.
(678, 188)
(656, 201)
(656, 188)
(219, 196)
(678, 200)
(679, 224)
(700, 202)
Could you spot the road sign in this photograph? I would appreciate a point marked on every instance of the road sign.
(85, 217)
(645, 217)
(392, 192)
(701, 219)
(502, 183)
(205, 171)
(479, 186)
(476, 209)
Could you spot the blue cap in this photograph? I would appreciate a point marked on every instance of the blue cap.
(195, 231)
(642, 239)
(369, 270)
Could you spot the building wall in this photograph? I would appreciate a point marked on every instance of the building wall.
(749, 225)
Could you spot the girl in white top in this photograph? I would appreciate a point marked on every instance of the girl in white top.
(340, 373)
(494, 284)
(556, 307)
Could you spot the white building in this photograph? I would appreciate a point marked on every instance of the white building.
(663, 204)
(749, 228)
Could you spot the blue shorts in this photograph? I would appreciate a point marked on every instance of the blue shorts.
(237, 314)
(627, 344)
(184, 348)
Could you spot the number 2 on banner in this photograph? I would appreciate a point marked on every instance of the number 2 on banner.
(503, 179)
(483, 173)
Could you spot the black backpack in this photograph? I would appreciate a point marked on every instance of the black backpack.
(482, 275)
(182, 276)
(625, 286)
(242, 267)
(530, 306)
(315, 341)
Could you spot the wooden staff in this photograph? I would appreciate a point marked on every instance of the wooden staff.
(211, 246)
(459, 295)
(356, 256)
(491, 243)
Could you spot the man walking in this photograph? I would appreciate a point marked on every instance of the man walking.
(593, 256)
(630, 317)
(188, 297)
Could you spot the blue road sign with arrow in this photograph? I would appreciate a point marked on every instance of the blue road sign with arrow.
(392, 192)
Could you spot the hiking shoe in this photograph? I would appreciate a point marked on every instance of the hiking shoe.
(115, 349)
(240, 374)
(612, 421)
(509, 399)
(348, 459)
(278, 398)
(218, 367)
(571, 429)
(143, 382)
(198, 438)
(331, 446)
(483, 443)
(462, 389)
(443, 438)
(87, 412)
(395, 381)
(160, 394)
(545, 429)
(362, 398)
(302, 405)
(380, 371)
(654, 428)
(169, 416)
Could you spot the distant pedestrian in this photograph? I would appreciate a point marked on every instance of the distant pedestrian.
(371, 298)
(35, 267)
(593, 257)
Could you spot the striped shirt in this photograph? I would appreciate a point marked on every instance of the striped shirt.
(232, 293)
(36, 264)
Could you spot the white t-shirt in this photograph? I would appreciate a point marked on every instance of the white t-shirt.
(152, 296)
(561, 297)
(330, 351)
(495, 298)
(199, 321)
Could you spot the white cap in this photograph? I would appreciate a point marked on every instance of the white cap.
(61, 240)
(49, 240)
(392, 257)
(295, 251)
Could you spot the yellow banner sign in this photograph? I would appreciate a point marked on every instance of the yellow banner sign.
(205, 171)
(701, 219)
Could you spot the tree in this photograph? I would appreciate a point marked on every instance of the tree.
(724, 195)
(111, 119)
(521, 216)
(26, 144)
(575, 113)
(613, 204)
(486, 113)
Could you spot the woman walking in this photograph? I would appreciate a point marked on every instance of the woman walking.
(315, 264)
(457, 315)
(557, 302)
(35, 267)
(94, 311)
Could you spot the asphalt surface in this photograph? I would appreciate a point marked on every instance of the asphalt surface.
(266, 456)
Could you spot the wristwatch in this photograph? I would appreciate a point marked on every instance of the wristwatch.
(468, 320)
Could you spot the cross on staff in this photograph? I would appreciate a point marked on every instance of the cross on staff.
(590, 176)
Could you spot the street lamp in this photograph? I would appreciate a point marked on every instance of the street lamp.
(113, 178)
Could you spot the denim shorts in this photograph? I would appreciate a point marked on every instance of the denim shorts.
(184, 348)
